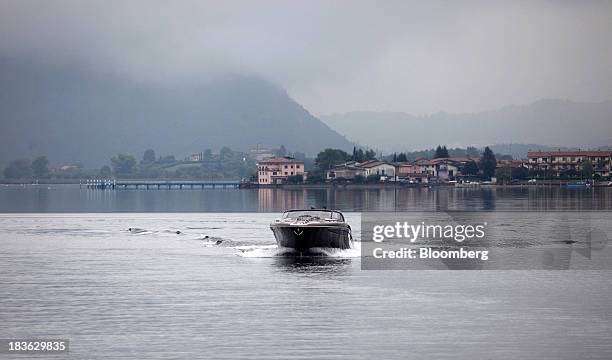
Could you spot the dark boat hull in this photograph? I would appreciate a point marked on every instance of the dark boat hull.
(307, 237)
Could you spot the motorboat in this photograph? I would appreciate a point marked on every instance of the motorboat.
(579, 185)
(467, 184)
(303, 230)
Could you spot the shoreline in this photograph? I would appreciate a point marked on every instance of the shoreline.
(387, 185)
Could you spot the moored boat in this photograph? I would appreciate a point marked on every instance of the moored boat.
(466, 184)
(579, 185)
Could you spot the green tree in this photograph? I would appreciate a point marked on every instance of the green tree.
(295, 179)
(316, 176)
(503, 175)
(18, 169)
(40, 167)
(105, 172)
(123, 165)
(150, 172)
(402, 157)
(369, 155)
(359, 179)
(569, 174)
(470, 168)
(327, 158)
(339, 180)
(472, 151)
(441, 152)
(372, 179)
(587, 169)
(190, 172)
(225, 153)
(148, 157)
(358, 155)
(166, 160)
(520, 173)
(488, 163)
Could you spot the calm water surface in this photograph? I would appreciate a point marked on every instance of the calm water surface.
(153, 293)
(69, 198)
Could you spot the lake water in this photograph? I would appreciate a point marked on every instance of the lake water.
(70, 268)
(69, 198)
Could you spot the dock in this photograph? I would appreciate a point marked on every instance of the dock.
(113, 184)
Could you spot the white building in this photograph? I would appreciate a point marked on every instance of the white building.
(375, 167)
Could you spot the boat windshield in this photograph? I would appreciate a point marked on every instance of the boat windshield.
(321, 214)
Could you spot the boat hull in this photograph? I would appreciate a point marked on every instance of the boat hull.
(303, 238)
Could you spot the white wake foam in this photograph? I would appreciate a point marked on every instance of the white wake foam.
(266, 251)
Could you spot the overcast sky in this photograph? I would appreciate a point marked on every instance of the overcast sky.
(336, 56)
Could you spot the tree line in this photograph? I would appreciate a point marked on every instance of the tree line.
(230, 164)
(227, 164)
(24, 169)
(329, 158)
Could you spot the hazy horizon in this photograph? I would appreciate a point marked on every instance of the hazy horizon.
(410, 57)
(325, 117)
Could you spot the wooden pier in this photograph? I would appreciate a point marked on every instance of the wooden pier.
(108, 184)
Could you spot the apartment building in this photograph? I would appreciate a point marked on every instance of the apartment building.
(558, 162)
(277, 169)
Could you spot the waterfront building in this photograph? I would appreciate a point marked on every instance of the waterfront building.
(376, 167)
(444, 169)
(277, 170)
(348, 170)
(557, 163)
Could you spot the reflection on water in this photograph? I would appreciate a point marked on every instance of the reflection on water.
(440, 198)
(69, 198)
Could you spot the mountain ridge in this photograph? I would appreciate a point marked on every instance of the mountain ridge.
(72, 114)
(552, 122)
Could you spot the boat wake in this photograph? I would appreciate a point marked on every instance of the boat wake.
(270, 251)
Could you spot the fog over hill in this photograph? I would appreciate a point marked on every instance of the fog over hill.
(72, 114)
(549, 122)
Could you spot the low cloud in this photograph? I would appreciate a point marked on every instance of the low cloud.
(335, 56)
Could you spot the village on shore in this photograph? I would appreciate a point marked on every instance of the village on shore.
(265, 167)
(546, 167)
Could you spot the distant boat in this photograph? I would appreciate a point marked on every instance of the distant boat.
(579, 185)
(467, 184)
(303, 230)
